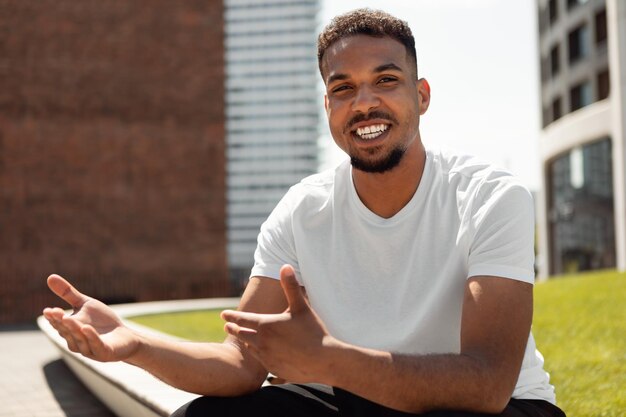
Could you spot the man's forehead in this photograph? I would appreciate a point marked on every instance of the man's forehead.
(348, 43)
(371, 52)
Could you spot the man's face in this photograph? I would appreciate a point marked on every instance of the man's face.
(373, 101)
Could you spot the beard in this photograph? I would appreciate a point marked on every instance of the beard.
(389, 162)
(376, 166)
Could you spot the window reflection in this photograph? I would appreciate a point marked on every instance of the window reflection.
(580, 200)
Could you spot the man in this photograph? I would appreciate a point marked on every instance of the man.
(397, 284)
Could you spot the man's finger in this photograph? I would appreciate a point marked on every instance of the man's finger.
(242, 318)
(53, 314)
(96, 345)
(247, 336)
(79, 338)
(66, 291)
(292, 289)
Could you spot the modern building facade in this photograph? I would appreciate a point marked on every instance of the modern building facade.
(271, 113)
(582, 209)
(112, 146)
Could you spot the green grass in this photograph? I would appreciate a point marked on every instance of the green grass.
(579, 325)
(580, 328)
(203, 325)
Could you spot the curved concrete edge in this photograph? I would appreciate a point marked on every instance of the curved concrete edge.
(127, 390)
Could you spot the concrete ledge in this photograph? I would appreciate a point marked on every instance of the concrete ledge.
(127, 390)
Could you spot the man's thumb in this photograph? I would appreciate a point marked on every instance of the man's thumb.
(66, 291)
(292, 289)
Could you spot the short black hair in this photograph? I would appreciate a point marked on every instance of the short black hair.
(368, 22)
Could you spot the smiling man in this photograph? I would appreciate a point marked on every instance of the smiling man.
(399, 283)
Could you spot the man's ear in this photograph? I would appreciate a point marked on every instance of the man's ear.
(326, 103)
(423, 91)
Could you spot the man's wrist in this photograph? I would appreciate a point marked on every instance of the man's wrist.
(347, 366)
(138, 355)
(333, 360)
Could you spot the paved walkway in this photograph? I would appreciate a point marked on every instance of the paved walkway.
(35, 382)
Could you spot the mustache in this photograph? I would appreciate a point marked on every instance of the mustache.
(363, 117)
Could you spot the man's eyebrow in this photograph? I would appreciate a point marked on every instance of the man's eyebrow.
(387, 67)
(337, 77)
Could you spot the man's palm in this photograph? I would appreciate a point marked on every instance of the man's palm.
(94, 329)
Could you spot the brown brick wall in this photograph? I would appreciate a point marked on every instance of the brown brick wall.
(111, 150)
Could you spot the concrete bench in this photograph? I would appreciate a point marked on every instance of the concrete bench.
(127, 390)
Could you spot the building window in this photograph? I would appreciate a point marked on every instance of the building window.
(575, 3)
(580, 204)
(545, 116)
(578, 43)
(604, 84)
(577, 168)
(555, 61)
(553, 11)
(601, 29)
(580, 96)
(557, 111)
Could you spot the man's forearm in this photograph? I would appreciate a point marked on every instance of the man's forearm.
(202, 368)
(418, 383)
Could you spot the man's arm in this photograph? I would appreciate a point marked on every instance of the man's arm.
(224, 369)
(497, 315)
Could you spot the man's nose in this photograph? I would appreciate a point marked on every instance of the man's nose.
(364, 100)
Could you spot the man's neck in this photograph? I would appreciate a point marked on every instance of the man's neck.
(385, 194)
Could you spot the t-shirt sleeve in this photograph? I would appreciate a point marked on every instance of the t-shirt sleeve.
(504, 230)
(275, 242)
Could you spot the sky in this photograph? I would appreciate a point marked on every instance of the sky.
(480, 59)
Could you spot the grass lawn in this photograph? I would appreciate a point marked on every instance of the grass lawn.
(579, 326)
(204, 325)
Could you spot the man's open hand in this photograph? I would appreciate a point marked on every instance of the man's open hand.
(93, 330)
(291, 344)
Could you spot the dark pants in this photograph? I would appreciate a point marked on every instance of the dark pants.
(291, 400)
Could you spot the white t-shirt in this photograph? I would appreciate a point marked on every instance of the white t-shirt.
(397, 284)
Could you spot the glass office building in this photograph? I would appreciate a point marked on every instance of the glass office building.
(582, 45)
(272, 112)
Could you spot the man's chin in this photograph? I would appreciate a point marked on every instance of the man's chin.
(378, 166)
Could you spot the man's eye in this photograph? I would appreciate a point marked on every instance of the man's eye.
(387, 80)
(340, 88)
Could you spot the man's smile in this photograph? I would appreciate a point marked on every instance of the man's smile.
(372, 131)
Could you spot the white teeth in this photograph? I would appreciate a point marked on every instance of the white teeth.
(371, 132)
